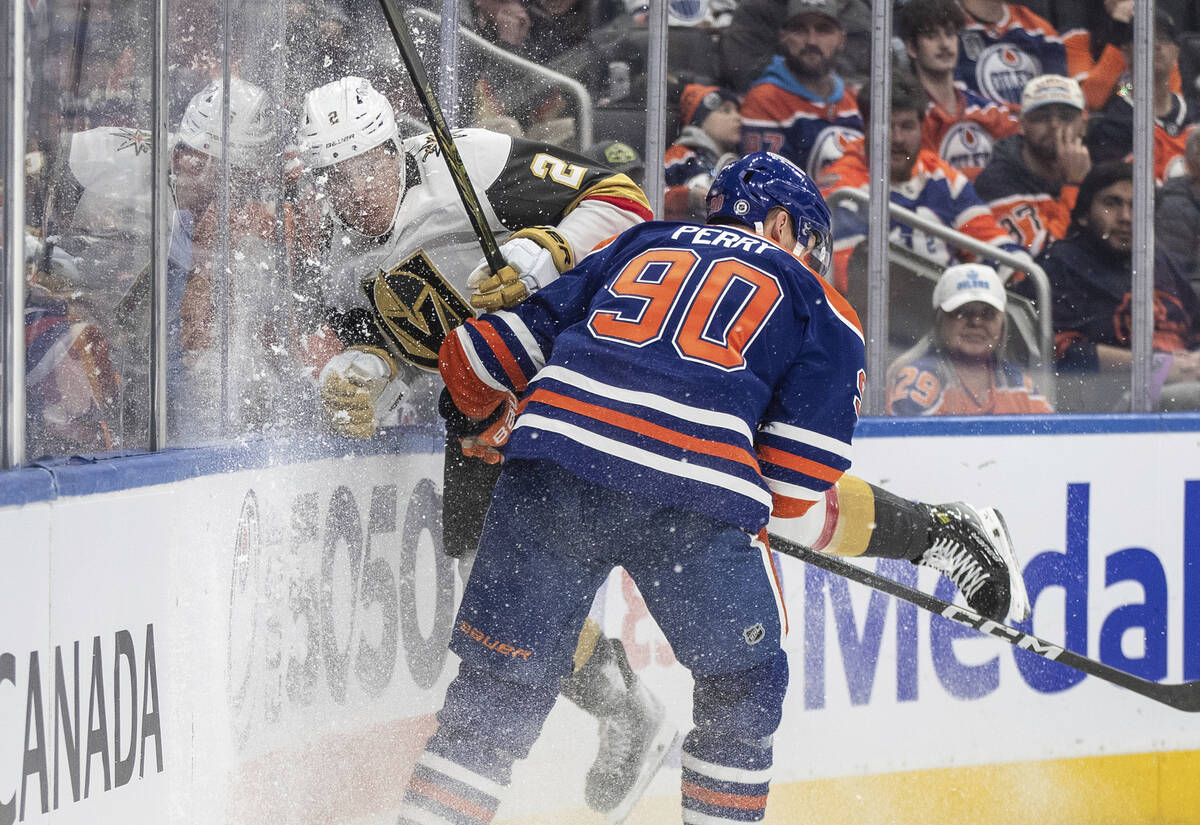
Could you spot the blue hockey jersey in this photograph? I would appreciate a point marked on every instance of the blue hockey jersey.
(700, 367)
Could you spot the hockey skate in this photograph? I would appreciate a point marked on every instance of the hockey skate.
(971, 547)
(634, 740)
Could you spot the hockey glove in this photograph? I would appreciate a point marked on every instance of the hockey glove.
(536, 256)
(358, 386)
(480, 437)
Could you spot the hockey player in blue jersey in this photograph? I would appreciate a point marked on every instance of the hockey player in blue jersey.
(678, 387)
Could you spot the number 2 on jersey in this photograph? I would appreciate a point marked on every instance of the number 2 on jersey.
(741, 296)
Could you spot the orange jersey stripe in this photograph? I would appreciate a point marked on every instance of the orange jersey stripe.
(765, 538)
(643, 427)
(785, 507)
(799, 464)
(725, 800)
(841, 305)
(511, 368)
(471, 395)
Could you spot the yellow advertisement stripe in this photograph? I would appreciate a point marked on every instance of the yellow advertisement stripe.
(1133, 789)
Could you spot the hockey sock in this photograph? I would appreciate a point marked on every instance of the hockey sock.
(901, 527)
(485, 725)
(443, 790)
(601, 684)
(725, 779)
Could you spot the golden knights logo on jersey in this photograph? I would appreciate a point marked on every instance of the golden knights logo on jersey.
(416, 307)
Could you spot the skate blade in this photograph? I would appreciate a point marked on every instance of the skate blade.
(664, 739)
(1019, 607)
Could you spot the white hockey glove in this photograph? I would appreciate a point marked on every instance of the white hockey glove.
(536, 256)
(358, 386)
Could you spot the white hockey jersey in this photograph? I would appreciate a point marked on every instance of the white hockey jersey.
(520, 183)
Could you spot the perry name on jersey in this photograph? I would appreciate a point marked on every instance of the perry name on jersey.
(763, 361)
(520, 183)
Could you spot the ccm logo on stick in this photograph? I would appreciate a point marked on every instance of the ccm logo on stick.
(1022, 640)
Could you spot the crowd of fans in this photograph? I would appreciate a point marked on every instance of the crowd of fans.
(1009, 123)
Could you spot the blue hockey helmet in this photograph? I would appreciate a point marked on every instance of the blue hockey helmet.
(747, 189)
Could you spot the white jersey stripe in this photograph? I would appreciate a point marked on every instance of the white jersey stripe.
(725, 773)
(796, 491)
(464, 775)
(646, 458)
(853, 327)
(514, 323)
(811, 438)
(476, 364)
(691, 817)
(649, 400)
(413, 812)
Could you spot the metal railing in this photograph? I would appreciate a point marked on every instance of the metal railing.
(932, 270)
(583, 116)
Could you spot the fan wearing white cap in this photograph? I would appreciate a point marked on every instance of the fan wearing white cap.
(1031, 181)
(959, 367)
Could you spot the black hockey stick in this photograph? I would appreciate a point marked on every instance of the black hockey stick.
(441, 133)
(1184, 696)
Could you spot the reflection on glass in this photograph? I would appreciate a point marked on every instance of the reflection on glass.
(88, 217)
(960, 366)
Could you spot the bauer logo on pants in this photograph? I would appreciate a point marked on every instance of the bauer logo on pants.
(415, 307)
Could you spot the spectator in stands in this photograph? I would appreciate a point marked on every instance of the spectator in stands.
(1032, 179)
(620, 157)
(72, 394)
(960, 125)
(1093, 36)
(506, 98)
(1177, 216)
(1091, 281)
(1110, 135)
(712, 127)
(752, 40)
(1003, 46)
(959, 368)
(920, 181)
(800, 107)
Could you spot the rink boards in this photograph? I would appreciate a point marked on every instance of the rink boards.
(257, 635)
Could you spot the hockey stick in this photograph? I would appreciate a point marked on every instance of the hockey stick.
(441, 133)
(1183, 696)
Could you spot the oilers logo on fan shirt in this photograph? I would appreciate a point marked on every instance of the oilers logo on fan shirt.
(966, 146)
(1003, 70)
(830, 144)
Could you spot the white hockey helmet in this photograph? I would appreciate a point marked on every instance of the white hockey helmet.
(344, 119)
(251, 125)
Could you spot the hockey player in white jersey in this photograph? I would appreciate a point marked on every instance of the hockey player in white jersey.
(389, 208)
